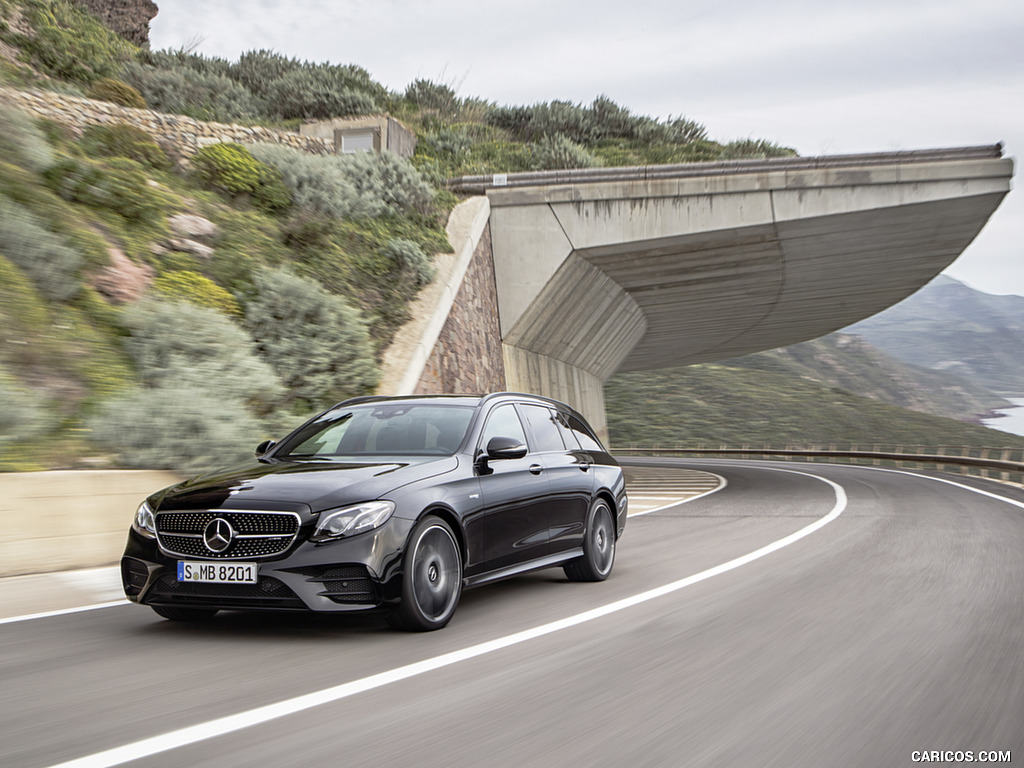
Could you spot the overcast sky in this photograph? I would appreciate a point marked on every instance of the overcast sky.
(822, 77)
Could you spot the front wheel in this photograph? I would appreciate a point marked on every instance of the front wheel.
(432, 577)
(598, 546)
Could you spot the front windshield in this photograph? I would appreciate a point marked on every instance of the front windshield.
(381, 429)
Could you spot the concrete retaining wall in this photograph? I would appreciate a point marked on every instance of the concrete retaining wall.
(55, 521)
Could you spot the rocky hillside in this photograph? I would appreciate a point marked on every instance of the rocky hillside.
(713, 404)
(947, 326)
(851, 363)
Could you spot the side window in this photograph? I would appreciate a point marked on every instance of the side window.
(568, 436)
(543, 428)
(503, 421)
(586, 439)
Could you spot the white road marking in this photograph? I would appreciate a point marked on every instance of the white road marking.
(979, 491)
(102, 585)
(722, 482)
(48, 614)
(943, 480)
(223, 725)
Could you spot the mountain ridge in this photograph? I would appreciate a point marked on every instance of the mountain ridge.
(949, 326)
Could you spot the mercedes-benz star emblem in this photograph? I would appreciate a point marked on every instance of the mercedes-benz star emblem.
(218, 535)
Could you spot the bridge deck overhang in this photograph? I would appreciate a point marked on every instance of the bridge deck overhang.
(638, 268)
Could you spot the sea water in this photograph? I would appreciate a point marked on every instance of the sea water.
(1013, 421)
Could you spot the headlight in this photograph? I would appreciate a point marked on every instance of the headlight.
(352, 520)
(145, 522)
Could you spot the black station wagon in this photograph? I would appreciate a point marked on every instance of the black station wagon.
(384, 503)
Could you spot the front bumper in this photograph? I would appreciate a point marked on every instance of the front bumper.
(351, 574)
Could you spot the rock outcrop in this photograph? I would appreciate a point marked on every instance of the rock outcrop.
(127, 18)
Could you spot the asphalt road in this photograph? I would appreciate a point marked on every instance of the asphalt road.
(896, 626)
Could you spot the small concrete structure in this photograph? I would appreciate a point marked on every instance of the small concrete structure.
(371, 133)
(602, 270)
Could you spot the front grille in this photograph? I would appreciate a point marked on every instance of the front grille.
(267, 593)
(256, 534)
(346, 584)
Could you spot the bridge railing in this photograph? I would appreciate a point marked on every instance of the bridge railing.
(1005, 464)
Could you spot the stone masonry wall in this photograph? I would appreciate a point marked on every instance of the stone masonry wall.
(467, 357)
(180, 136)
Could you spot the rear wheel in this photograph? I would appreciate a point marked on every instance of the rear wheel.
(598, 546)
(175, 613)
(432, 578)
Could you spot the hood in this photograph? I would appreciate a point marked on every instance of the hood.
(317, 485)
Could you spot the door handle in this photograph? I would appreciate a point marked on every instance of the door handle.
(584, 465)
(536, 469)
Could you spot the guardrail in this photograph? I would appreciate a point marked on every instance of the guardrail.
(1008, 466)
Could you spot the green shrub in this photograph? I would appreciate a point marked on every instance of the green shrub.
(319, 185)
(437, 98)
(408, 257)
(197, 289)
(176, 343)
(117, 92)
(24, 413)
(602, 120)
(69, 42)
(676, 130)
(557, 152)
(183, 58)
(187, 428)
(247, 239)
(443, 152)
(499, 157)
(349, 186)
(753, 149)
(22, 142)
(388, 180)
(305, 231)
(231, 168)
(196, 94)
(119, 185)
(124, 140)
(43, 255)
(256, 70)
(315, 94)
(14, 74)
(316, 341)
(22, 309)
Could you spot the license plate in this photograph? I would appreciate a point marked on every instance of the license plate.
(217, 573)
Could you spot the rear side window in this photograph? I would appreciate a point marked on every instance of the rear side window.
(582, 433)
(543, 427)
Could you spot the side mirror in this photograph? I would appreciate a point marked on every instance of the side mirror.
(264, 447)
(505, 448)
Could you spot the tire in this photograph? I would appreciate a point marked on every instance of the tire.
(431, 578)
(175, 613)
(598, 546)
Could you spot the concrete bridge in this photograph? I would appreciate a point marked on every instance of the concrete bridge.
(562, 278)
